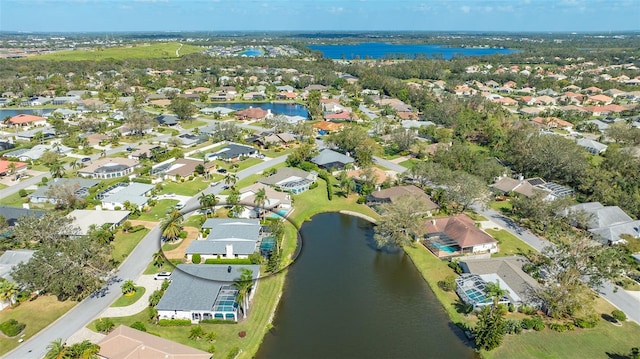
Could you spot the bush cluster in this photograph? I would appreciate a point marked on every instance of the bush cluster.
(448, 284)
(135, 229)
(227, 261)
(534, 323)
(217, 321)
(561, 327)
(11, 327)
(233, 353)
(512, 326)
(174, 322)
(139, 326)
(589, 322)
(619, 315)
(196, 258)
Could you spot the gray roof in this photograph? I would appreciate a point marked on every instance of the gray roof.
(604, 216)
(612, 233)
(219, 247)
(416, 123)
(236, 231)
(11, 258)
(134, 193)
(592, 146)
(12, 214)
(167, 120)
(232, 151)
(212, 222)
(85, 218)
(196, 286)
(82, 184)
(327, 156)
(285, 173)
(509, 269)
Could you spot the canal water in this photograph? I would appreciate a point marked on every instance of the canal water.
(346, 299)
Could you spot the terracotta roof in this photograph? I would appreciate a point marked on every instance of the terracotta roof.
(393, 193)
(124, 343)
(328, 126)
(4, 165)
(344, 115)
(185, 167)
(461, 229)
(600, 98)
(379, 174)
(607, 108)
(24, 118)
(252, 112)
(552, 122)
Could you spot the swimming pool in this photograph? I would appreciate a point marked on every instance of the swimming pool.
(444, 248)
(281, 213)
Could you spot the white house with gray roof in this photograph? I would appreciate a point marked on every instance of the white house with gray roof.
(593, 147)
(228, 238)
(80, 187)
(134, 193)
(290, 179)
(204, 291)
(607, 223)
(331, 160)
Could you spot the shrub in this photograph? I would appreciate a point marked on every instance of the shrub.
(137, 228)
(526, 323)
(313, 185)
(455, 266)
(528, 310)
(117, 208)
(588, 322)
(255, 258)
(196, 258)
(558, 327)
(217, 321)
(105, 325)
(227, 261)
(512, 308)
(233, 353)
(139, 326)
(448, 284)
(141, 180)
(174, 322)
(512, 327)
(126, 226)
(211, 349)
(11, 327)
(538, 324)
(619, 315)
(152, 314)
(22, 192)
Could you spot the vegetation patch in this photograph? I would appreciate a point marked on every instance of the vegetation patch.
(126, 299)
(11, 327)
(139, 51)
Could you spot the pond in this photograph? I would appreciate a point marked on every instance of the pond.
(346, 299)
(10, 113)
(289, 109)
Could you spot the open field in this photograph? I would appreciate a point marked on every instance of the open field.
(138, 51)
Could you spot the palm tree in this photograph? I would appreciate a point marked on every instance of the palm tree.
(244, 285)
(172, 226)
(57, 170)
(74, 164)
(9, 291)
(103, 153)
(208, 201)
(230, 179)
(158, 259)
(260, 200)
(128, 287)
(494, 291)
(56, 350)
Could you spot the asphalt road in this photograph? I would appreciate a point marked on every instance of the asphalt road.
(82, 314)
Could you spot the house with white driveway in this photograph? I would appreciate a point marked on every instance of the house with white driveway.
(228, 238)
(204, 291)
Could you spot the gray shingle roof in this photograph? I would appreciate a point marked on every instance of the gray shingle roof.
(211, 222)
(196, 286)
(219, 247)
(11, 258)
(327, 156)
(12, 214)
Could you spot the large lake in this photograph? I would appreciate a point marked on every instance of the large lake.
(289, 109)
(345, 299)
(10, 113)
(381, 50)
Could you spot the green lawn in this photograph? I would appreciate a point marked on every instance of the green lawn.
(124, 243)
(189, 124)
(137, 51)
(124, 301)
(503, 207)
(186, 188)
(159, 211)
(277, 152)
(13, 200)
(476, 217)
(249, 180)
(166, 267)
(194, 220)
(36, 314)
(509, 244)
(227, 334)
(409, 163)
(245, 163)
(603, 341)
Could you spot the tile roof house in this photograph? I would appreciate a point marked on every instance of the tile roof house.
(391, 195)
(507, 271)
(552, 122)
(127, 343)
(228, 238)
(200, 292)
(505, 185)
(184, 167)
(607, 223)
(26, 120)
(109, 168)
(253, 113)
(457, 235)
(327, 126)
(331, 160)
(5, 167)
(593, 147)
(291, 180)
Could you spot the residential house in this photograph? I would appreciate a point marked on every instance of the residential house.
(600, 99)
(167, 120)
(506, 185)
(190, 139)
(127, 343)
(80, 188)
(10, 168)
(393, 194)
(85, 219)
(146, 150)
(253, 113)
(277, 202)
(232, 152)
(37, 151)
(185, 167)
(331, 160)
(199, 292)
(228, 238)
(324, 127)
(593, 147)
(40, 134)
(223, 111)
(506, 271)
(107, 168)
(115, 197)
(13, 214)
(8, 261)
(291, 180)
(552, 122)
(457, 235)
(23, 120)
(608, 224)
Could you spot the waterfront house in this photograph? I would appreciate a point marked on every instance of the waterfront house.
(291, 180)
(393, 194)
(228, 238)
(200, 292)
(107, 168)
(23, 120)
(457, 235)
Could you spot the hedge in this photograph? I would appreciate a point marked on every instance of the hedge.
(11, 327)
(233, 353)
(217, 321)
(135, 229)
(227, 261)
(174, 322)
(141, 180)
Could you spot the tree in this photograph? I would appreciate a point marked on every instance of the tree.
(138, 121)
(56, 170)
(244, 285)
(494, 291)
(52, 227)
(489, 331)
(227, 131)
(403, 139)
(260, 199)
(573, 267)
(197, 333)
(172, 226)
(466, 189)
(208, 201)
(347, 184)
(84, 350)
(9, 290)
(63, 194)
(128, 287)
(56, 350)
(401, 222)
(230, 179)
(182, 107)
(158, 259)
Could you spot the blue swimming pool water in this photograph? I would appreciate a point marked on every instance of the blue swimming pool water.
(444, 248)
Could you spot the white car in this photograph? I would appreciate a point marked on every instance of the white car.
(162, 276)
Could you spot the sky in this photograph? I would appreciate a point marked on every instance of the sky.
(319, 15)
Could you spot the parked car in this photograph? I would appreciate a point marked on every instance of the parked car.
(179, 206)
(162, 276)
(222, 170)
(85, 159)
